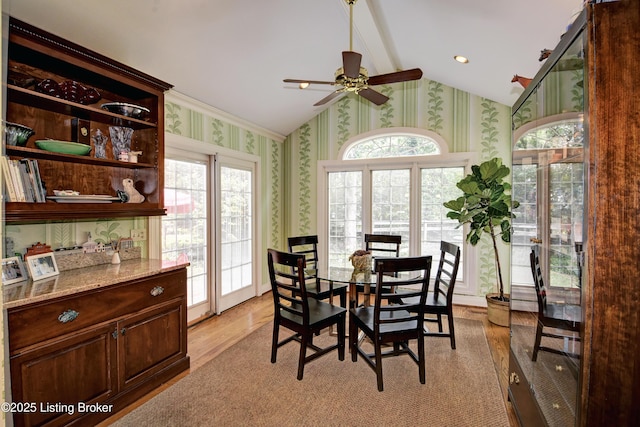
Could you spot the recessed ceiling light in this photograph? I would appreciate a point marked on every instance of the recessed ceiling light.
(304, 85)
(461, 59)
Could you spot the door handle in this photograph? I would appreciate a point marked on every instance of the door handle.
(535, 240)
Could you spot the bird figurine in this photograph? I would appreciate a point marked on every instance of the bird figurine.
(132, 193)
(524, 81)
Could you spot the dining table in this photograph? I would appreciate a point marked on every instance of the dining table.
(340, 276)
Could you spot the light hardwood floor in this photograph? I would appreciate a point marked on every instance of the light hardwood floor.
(209, 338)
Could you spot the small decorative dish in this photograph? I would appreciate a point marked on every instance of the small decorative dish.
(63, 147)
(125, 109)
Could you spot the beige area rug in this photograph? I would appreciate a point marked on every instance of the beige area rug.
(241, 387)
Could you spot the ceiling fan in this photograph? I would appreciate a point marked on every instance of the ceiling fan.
(354, 78)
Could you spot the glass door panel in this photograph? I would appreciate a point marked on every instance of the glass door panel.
(185, 228)
(390, 207)
(438, 186)
(236, 237)
(345, 216)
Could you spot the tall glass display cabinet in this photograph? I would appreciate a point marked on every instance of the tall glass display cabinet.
(549, 182)
(575, 331)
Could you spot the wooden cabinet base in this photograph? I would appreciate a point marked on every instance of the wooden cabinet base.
(124, 341)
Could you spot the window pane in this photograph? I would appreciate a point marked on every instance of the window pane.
(345, 216)
(184, 228)
(438, 185)
(236, 220)
(393, 146)
(525, 223)
(391, 204)
(566, 198)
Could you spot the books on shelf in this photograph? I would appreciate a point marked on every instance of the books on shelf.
(22, 180)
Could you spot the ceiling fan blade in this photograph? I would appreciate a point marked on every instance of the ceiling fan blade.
(328, 98)
(398, 76)
(314, 82)
(373, 96)
(351, 64)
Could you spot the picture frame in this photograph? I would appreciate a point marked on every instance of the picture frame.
(42, 266)
(13, 271)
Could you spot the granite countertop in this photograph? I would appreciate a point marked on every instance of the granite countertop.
(83, 279)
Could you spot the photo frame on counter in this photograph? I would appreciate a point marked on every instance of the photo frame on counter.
(42, 266)
(13, 271)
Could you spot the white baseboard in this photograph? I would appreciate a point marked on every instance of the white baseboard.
(471, 300)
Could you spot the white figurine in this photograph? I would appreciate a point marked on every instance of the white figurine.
(134, 195)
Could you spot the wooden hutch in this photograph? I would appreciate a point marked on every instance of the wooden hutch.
(102, 335)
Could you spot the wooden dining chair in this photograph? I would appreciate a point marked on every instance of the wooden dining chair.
(294, 310)
(317, 288)
(383, 245)
(440, 301)
(380, 245)
(393, 323)
(556, 316)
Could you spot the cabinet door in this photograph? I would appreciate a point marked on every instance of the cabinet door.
(151, 341)
(76, 368)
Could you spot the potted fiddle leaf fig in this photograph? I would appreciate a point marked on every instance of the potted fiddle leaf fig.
(486, 206)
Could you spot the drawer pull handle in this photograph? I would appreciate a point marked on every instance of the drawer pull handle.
(68, 316)
(157, 290)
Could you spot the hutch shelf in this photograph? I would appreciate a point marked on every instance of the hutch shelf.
(36, 58)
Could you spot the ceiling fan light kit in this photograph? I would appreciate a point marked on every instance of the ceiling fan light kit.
(354, 78)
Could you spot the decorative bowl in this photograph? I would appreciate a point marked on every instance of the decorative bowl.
(69, 90)
(63, 147)
(17, 134)
(125, 109)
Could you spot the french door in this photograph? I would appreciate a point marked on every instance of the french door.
(236, 232)
(210, 223)
(405, 200)
(550, 190)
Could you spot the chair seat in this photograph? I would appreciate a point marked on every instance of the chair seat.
(563, 316)
(363, 316)
(319, 312)
(431, 303)
(321, 289)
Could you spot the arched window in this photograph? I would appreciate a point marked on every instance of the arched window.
(394, 142)
(392, 146)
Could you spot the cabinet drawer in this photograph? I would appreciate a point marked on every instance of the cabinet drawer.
(49, 319)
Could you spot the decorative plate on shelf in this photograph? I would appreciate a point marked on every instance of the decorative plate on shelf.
(63, 147)
(125, 109)
(85, 198)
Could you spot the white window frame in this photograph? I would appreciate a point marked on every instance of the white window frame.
(469, 284)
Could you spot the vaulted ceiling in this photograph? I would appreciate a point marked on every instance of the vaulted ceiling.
(233, 55)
